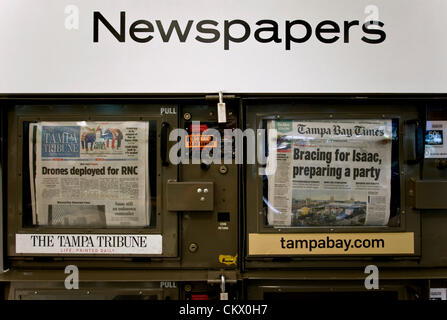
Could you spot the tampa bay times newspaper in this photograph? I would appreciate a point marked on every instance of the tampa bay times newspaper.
(330, 173)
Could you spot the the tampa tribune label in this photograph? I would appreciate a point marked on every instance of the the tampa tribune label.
(88, 244)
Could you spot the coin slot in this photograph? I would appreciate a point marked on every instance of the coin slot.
(223, 216)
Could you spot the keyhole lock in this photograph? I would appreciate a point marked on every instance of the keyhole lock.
(193, 247)
(223, 169)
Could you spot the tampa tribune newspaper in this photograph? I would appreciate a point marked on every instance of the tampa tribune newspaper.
(89, 174)
(330, 173)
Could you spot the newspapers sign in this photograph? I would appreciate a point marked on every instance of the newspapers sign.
(89, 244)
(89, 174)
(330, 173)
(173, 46)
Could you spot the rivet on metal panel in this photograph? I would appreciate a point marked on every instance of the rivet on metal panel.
(199, 190)
(193, 247)
(205, 190)
(403, 211)
(411, 193)
(331, 116)
(223, 169)
(188, 288)
(202, 198)
(187, 116)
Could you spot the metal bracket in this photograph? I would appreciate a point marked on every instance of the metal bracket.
(190, 196)
(214, 277)
(224, 96)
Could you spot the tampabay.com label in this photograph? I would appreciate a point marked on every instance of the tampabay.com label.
(331, 243)
(89, 243)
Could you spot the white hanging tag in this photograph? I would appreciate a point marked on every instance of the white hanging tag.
(221, 110)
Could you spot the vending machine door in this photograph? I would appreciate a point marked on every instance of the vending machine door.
(333, 183)
(86, 181)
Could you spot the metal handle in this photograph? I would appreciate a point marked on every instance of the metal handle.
(222, 283)
(416, 145)
(164, 144)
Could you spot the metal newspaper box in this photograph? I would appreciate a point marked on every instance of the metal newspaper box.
(93, 185)
(341, 187)
(340, 180)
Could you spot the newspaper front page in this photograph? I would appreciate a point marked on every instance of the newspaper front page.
(90, 174)
(330, 173)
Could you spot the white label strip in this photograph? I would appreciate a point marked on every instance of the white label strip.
(87, 244)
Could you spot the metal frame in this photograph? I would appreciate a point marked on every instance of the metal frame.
(166, 223)
(2, 264)
(258, 110)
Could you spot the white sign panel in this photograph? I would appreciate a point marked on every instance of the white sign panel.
(201, 46)
(438, 294)
(87, 244)
(435, 135)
